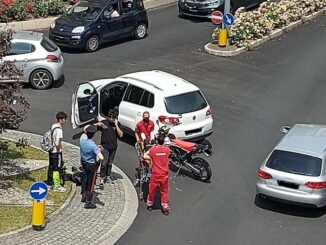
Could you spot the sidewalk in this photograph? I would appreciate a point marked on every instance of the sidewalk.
(116, 209)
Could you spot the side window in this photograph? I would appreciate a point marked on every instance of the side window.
(127, 6)
(112, 11)
(134, 95)
(21, 48)
(139, 3)
(147, 99)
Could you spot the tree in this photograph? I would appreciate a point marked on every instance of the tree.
(13, 105)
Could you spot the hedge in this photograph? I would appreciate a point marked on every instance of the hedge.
(252, 25)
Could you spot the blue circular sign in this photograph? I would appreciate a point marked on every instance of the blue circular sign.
(228, 19)
(38, 190)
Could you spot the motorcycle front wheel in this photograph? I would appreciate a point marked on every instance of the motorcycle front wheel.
(204, 173)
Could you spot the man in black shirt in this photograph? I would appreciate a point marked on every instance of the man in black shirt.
(111, 129)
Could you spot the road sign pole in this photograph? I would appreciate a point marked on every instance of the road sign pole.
(38, 191)
(227, 5)
(38, 215)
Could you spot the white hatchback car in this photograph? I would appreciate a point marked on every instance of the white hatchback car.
(39, 59)
(165, 96)
(295, 171)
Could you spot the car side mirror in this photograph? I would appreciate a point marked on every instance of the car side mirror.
(285, 129)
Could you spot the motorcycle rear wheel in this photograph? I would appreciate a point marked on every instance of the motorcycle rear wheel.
(205, 172)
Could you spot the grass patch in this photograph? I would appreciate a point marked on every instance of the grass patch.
(12, 218)
(9, 220)
(27, 152)
(25, 181)
(15, 217)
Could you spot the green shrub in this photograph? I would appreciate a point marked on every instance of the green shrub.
(17, 11)
(56, 7)
(41, 8)
(252, 25)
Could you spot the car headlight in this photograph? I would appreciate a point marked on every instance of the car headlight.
(78, 29)
(52, 25)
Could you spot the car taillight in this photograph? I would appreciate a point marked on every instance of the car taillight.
(209, 112)
(316, 185)
(168, 120)
(52, 58)
(263, 175)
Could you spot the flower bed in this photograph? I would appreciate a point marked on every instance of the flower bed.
(252, 25)
(20, 10)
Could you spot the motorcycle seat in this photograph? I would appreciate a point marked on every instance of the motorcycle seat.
(188, 146)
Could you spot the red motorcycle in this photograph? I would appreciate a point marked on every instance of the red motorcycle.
(184, 154)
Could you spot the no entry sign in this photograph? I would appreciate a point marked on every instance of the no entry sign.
(217, 17)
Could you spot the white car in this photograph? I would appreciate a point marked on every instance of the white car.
(165, 96)
(39, 59)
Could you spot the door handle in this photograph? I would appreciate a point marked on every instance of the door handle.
(139, 114)
(25, 59)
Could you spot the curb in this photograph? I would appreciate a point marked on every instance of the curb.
(209, 47)
(128, 215)
(44, 23)
(57, 211)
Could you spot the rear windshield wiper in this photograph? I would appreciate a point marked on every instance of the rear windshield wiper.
(294, 172)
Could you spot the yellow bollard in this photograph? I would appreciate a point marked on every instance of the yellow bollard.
(38, 215)
(222, 37)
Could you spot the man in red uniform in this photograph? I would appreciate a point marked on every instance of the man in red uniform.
(159, 166)
(144, 127)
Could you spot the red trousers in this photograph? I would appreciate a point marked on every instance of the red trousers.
(162, 182)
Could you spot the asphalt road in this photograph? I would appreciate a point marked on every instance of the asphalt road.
(252, 95)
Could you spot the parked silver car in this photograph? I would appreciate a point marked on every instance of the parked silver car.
(37, 56)
(295, 170)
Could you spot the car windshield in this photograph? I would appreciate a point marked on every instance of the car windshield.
(85, 10)
(185, 103)
(295, 163)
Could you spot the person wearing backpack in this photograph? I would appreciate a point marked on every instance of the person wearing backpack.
(55, 152)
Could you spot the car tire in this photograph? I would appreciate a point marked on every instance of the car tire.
(140, 31)
(41, 79)
(92, 43)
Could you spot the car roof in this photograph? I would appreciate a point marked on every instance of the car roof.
(27, 35)
(162, 81)
(306, 139)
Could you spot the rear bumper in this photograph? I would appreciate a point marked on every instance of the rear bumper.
(282, 195)
(58, 70)
(196, 131)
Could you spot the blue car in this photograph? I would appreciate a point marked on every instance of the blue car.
(90, 23)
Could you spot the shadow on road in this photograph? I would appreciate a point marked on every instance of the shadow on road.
(59, 83)
(103, 46)
(195, 19)
(288, 209)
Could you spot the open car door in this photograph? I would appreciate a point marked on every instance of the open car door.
(85, 101)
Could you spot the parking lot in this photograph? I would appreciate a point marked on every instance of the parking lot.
(252, 95)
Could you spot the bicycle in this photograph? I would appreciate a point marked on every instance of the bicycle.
(142, 175)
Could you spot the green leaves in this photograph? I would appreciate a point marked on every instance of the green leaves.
(252, 25)
(13, 105)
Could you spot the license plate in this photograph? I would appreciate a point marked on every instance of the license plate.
(288, 185)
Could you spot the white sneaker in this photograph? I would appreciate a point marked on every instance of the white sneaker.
(59, 189)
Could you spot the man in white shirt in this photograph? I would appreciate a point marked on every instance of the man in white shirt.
(55, 155)
(110, 12)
